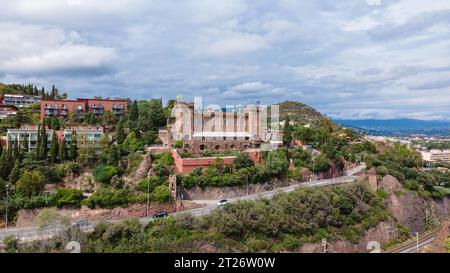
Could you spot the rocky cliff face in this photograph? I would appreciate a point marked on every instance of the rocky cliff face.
(141, 172)
(414, 212)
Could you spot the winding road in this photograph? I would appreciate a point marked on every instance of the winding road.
(27, 234)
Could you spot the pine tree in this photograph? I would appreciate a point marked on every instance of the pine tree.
(120, 134)
(15, 173)
(63, 150)
(54, 147)
(73, 150)
(114, 156)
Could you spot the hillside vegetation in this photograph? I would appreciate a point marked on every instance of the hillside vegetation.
(299, 112)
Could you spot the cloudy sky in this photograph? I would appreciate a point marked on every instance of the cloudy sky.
(347, 58)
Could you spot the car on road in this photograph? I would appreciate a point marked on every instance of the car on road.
(222, 202)
(160, 214)
(80, 223)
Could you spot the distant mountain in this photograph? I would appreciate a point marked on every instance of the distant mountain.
(400, 126)
(299, 112)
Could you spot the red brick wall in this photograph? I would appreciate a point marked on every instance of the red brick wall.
(187, 165)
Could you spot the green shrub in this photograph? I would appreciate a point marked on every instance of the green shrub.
(67, 197)
(149, 184)
(109, 198)
(103, 174)
(161, 194)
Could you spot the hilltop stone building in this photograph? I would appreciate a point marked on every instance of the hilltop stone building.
(219, 130)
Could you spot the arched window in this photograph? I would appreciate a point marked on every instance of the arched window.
(202, 147)
(217, 147)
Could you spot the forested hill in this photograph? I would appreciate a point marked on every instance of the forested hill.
(299, 112)
(32, 90)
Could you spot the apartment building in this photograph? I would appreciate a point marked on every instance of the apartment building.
(86, 135)
(7, 110)
(64, 108)
(20, 100)
(435, 155)
(29, 132)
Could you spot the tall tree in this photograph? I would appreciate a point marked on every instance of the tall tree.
(44, 141)
(4, 166)
(73, 150)
(113, 155)
(25, 143)
(120, 133)
(38, 143)
(54, 123)
(63, 150)
(54, 147)
(16, 150)
(134, 111)
(15, 173)
(287, 132)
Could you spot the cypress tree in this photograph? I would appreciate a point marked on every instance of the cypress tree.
(54, 123)
(63, 150)
(54, 147)
(4, 166)
(44, 141)
(120, 134)
(16, 150)
(15, 173)
(287, 132)
(134, 111)
(25, 147)
(38, 144)
(73, 150)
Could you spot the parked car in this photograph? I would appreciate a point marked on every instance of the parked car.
(80, 223)
(160, 214)
(222, 202)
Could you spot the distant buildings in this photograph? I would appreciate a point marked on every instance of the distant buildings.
(20, 100)
(64, 108)
(7, 110)
(436, 156)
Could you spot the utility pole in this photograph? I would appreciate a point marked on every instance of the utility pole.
(246, 182)
(324, 244)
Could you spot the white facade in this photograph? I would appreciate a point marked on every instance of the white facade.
(436, 155)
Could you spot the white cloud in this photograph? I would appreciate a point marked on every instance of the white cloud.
(26, 49)
(349, 58)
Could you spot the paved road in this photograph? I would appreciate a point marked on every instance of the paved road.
(34, 233)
